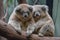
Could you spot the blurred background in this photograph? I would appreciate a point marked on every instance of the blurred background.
(7, 6)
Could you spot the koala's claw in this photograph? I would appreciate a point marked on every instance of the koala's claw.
(18, 32)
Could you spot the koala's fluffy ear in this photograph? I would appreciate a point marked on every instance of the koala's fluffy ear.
(31, 9)
(44, 8)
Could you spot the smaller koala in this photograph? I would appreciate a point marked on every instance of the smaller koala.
(44, 23)
(21, 19)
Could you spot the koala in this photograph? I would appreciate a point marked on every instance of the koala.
(44, 23)
(21, 19)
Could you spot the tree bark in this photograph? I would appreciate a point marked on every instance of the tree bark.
(1, 15)
(9, 32)
(1, 9)
(21, 1)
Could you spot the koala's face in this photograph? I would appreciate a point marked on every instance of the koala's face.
(39, 11)
(24, 12)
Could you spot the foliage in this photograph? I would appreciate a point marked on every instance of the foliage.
(11, 6)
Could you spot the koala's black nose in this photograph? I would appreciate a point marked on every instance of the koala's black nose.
(25, 16)
(37, 14)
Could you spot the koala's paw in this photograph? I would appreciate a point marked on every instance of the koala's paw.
(40, 34)
(18, 32)
(28, 35)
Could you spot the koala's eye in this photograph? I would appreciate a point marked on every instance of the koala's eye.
(18, 10)
(37, 14)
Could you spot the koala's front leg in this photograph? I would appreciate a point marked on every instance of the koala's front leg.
(16, 25)
(30, 29)
(46, 30)
(43, 30)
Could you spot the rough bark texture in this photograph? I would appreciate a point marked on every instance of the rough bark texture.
(1, 15)
(1, 9)
(9, 32)
(21, 1)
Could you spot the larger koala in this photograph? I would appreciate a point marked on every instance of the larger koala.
(21, 19)
(44, 23)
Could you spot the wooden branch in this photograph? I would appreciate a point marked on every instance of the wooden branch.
(9, 32)
(1, 9)
(35, 37)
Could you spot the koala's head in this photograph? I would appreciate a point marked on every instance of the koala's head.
(24, 12)
(39, 11)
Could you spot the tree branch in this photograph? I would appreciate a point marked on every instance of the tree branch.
(1, 9)
(9, 32)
